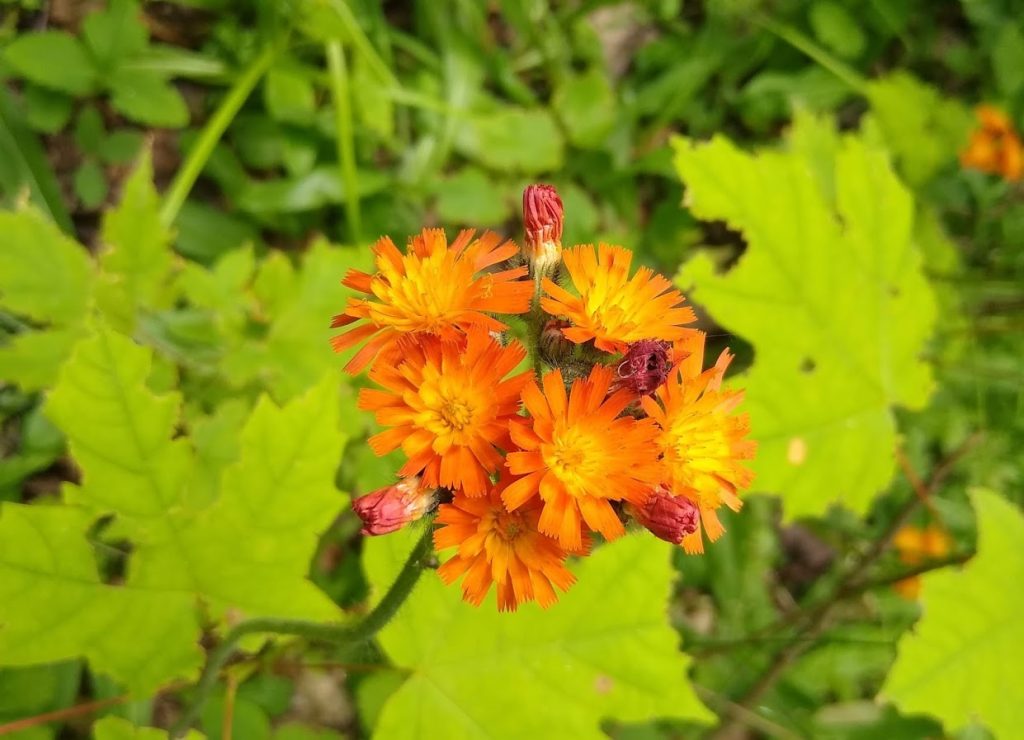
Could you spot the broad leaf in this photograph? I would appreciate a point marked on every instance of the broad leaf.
(960, 661)
(53, 59)
(605, 650)
(138, 255)
(53, 605)
(831, 294)
(247, 552)
(513, 139)
(112, 727)
(44, 274)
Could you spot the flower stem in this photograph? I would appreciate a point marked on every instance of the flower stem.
(339, 634)
(536, 325)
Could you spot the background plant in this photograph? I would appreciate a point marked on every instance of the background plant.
(178, 178)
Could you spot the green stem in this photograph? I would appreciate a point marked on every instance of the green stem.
(340, 93)
(536, 325)
(801, 43)
(211, 134)
(346, 634)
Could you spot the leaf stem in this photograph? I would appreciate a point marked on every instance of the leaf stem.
(343, 634)
(212, 132)
(801, 43)
(345, 139)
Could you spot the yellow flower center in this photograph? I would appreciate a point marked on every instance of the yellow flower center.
(456, 413)
(575, 458)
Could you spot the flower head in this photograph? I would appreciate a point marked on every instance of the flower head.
(702, 442)
(579, 456)
(916, 545)
(448, 405)
(390, 508)
(612, 308)
(667, 517)
(434, 289)
(499, 547)
(543, 216)
(994, 146)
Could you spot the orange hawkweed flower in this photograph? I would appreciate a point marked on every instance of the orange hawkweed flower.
(502, 548)
(702, 442)
(448, 406)
(579, 455)
(433, 289)
(994, 147)
(612, 308)
(916, 545)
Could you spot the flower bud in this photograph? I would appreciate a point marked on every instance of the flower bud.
(391, 508)
(667, 517)
(553, 344)
(543, 216)
(645, 366)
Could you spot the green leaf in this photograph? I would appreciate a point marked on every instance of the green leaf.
(513, 139)
(472, 198)
(288, 95)
(296, 349)
(837, 29)
(31, 359)
(373, 106)
(924, 130)
(44, 274)
(115, 35)
(832, 296)
(147, 98)
(121, 147)
(605, 650)
(1008, 60)
(26, 166)
(90, 184)
(958, 662)
(246, 553)
(46, 110)
(138, 257)
(89, 130)
(586, 105)
(53, 59)
(53, 606)
(320, 187)
(118, 728)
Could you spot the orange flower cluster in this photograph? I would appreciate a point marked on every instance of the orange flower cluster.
(625, 423)
(994, 146)
(917, 545)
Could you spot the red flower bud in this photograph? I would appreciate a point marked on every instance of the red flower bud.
(668, 517)
(391, 508)
(645, 366)
(543, 216)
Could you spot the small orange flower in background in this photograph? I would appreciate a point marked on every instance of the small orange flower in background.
(496, 546)
(994, 147)
(448, 407)
(612, 308)
(523, 468)
(435, 289)
(916, 545)
(702, 442)
(579, 455)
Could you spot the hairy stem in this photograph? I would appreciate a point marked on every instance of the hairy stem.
(339, 634)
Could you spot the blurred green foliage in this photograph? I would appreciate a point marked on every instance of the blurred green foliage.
(177, 442)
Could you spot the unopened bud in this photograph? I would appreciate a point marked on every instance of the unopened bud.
(391, 508)
(667, 517)
(543, 216)
(553, 344)
(645, 366)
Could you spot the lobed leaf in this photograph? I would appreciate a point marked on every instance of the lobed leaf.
(831, 293)
(605, 650)
(958, 664)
